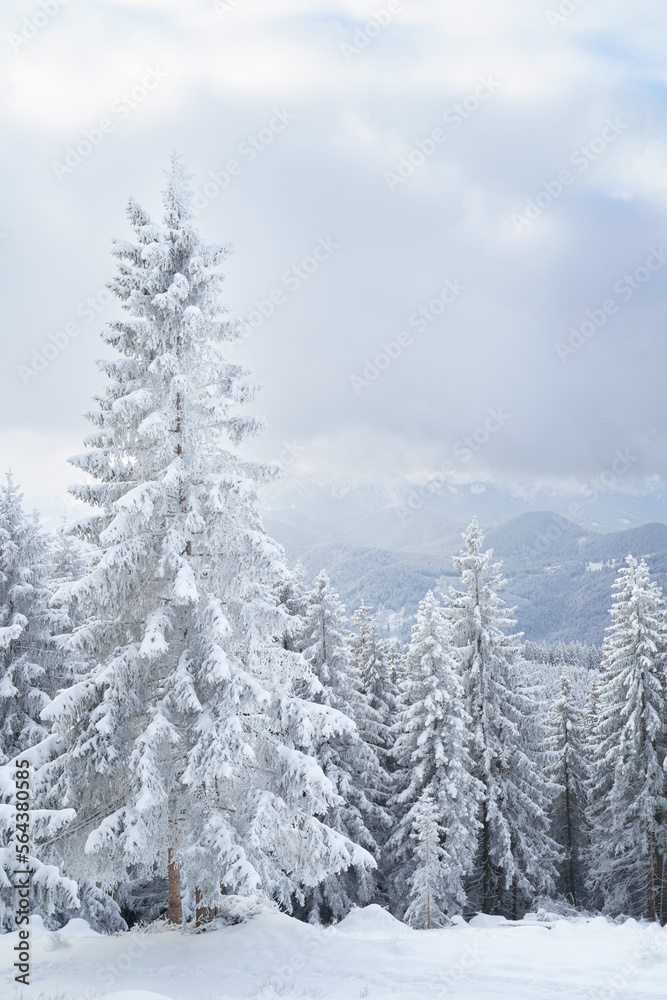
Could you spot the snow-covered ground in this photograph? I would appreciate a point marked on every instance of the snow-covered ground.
(369, 954)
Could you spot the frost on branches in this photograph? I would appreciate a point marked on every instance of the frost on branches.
(30, 672)
(428, 880)
(189, 750)
(349, 762)
(29, 666)
(435, 774)
(628, 801)
(379, 691)
(516, 856)
(569, 772)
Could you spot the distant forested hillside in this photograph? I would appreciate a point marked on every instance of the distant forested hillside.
(559, 574)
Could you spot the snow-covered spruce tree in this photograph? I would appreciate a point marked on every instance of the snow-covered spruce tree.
(394, 653)
(72, 558)
(97, 907)
(376, 685)
(516, 855)
(569, 772)
(30, 673)
(25, 845)
(351, 764)
(628, 793)
(28, 664)
(435, 767)
(428, 878)
(598, 783)
(187, 752)
(292, 596)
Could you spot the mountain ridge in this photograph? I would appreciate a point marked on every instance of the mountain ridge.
(559, 572)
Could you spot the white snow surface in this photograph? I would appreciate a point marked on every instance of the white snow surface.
(369, 954)
(135, 995)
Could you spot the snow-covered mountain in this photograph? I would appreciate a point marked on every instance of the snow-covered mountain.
(387, 544)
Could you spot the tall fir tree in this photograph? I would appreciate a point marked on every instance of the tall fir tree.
(516, 856)
(379, 691)
(30, 673)
(28, 665)
(394, 654)
(428, 879)
(349, 762)
(293, 598)
(628, 792)
(569, 771)
(432, 751)
(188, 750)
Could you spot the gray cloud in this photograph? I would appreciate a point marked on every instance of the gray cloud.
(451, 218)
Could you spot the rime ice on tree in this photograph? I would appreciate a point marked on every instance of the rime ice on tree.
(627, 793)
(516, 856)
(432, 751)
(30, 673)
(187, 747)
(568, 769)
(348, 760)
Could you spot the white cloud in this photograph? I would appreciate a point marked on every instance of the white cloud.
(326, 174)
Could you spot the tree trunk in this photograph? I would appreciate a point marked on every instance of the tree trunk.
(570, 838)
(428, 886)
(500, 893)
(660, 874)
(203, 914)
(650, 863)
(175, 907)
(487, 903)
(650, 879)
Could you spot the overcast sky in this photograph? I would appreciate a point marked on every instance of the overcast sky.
(496, 164)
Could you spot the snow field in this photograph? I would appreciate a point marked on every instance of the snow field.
(368, 954)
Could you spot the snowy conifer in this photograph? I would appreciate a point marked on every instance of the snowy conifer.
(351, 764)
(433, 758)
(293, 598)
(516, 856)
(30, 672)
(188, 752)
(394, 654)
(628, 802)
(569, 772)
(27, 657)
(376, 685)
(428, 880)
